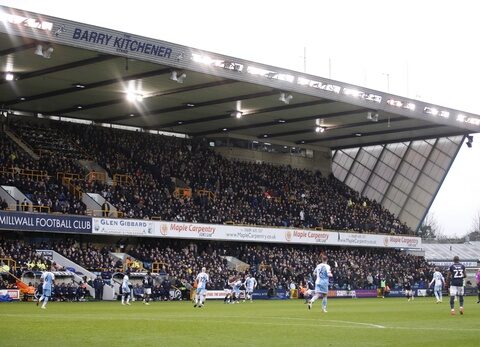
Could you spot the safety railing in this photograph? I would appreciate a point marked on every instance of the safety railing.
(69, 175)
(28, 208)
(182, 193)
(105, 213)
(119, 179)
(96, 176)
(73, 186)
(36, 175)
(204, 192)
(133, 265)
(157, 266)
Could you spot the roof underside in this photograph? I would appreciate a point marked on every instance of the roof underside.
(200, 106)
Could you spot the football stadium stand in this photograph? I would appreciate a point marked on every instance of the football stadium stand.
(242, 193)
(184, 153)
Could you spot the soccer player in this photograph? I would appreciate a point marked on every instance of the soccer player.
(126, 290)
(310, 290)
(407, 286)
(147, 288)
(250, 285)
(307, 289)
(47, 279)
(439, 282)
(228, 293)
(236, 285)
(202, 279)
(456, 274)
(323, 273)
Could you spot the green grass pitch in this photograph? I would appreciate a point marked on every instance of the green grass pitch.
(349, 322)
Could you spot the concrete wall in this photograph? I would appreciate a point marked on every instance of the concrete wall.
(94, 202)
(12, 194)
(321, 158)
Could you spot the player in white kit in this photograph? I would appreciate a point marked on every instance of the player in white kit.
(202, 280)
(47, 279)
(438, 282)
(125, 290)
(250, 284)
(323, 273)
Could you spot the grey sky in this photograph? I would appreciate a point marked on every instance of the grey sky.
(421, 49)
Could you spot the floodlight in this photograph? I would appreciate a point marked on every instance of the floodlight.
(9, 76)
(237, 114)
(39, 50)
(319, 129)
(373, 116)
(174, 76)
(131, 96)
(134, 95)
(46, 53)
(285, 97)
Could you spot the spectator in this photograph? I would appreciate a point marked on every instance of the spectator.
(105, 209)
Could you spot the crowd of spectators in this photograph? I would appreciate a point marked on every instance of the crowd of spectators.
(37, 179)
(278, 265)
(46, 139)
(87, 255)
(184, 260)
(244, 193)
(353, 268)
(22, 252)
(274, 266)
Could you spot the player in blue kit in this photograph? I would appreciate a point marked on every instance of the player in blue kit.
(438, 282)
(147, 288)
(47, 280)
(456, 274)
(308, 290)
(202, 280)
(323, 274)
(407, 287)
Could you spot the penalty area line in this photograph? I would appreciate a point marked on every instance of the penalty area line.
(378, 326)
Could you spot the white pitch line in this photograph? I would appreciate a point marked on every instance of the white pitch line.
(323, 320)
(308, 320)
(359, 323)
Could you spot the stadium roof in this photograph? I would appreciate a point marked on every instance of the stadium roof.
(69, 69)
(446, 251)
(390, 148)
